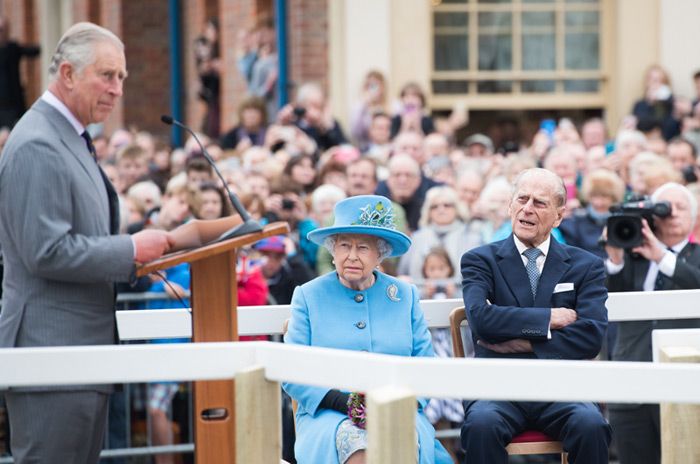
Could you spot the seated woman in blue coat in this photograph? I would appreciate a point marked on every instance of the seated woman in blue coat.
(359, 308)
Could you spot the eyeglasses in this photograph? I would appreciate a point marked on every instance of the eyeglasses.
(443, 205)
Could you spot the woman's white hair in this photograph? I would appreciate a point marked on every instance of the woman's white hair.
(441, 191)
(383, 246)
(324, 192)
(77, 46)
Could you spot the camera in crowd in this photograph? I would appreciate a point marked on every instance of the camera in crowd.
(625, 223)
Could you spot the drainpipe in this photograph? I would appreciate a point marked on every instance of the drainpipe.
(175, 39)
(283, 75)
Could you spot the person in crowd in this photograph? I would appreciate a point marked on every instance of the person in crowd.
(442, 223)
(410, 143)
(478, 146)
(313, 115)
(372, 102)
(213, 202)
(682, 154)
(142, 198)
(658, 103)
(251, 128)
(362, 235)
(175, 208)
(406, 186)
(198, 171)
(334, 172)
(323, 199)
(439, 283)
(411, 116)
(57, 290)
(594, 133)
(648, 172)
(12, 103)
(561, 161)
(601, 189)
(263, 76)
(208, 62)
(528, 296)
(283, 269)
(469, 185)
(379, 138)
(159, 170)
(300, 171)
(132, 166)
(255, 205)
(492, 210)
(628, 144)
(665, 260)
(286, 203)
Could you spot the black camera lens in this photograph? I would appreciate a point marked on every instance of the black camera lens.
(625, 231)
(299, 112)
(689, 174)
(287, 204)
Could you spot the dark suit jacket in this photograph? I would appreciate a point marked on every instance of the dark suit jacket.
(634, 337)
(495, 272)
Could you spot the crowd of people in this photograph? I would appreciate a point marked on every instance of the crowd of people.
(450, 196)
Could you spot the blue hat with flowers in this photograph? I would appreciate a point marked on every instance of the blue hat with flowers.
(366, 215)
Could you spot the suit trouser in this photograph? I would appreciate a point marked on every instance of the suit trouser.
(62, 427)
(637, 433)
(489, 426)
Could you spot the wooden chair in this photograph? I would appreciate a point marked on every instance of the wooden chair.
(527, 442)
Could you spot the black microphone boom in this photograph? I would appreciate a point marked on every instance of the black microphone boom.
(249, 225)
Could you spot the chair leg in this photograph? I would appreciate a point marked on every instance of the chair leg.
(564, 458)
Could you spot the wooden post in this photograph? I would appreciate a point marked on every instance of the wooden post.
(680, 423)
(258, 418)
(391, 426)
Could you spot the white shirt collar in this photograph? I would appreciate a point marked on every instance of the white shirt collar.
(679, 246)
(543, 247)
(53, 100)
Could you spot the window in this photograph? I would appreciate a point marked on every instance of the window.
(545, 53)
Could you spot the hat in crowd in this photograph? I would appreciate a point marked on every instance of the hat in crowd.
(274, 243)
(365, 215)
(480, 139)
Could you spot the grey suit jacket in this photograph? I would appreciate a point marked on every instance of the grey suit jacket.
(60, 259)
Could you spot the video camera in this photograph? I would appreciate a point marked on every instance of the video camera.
(625, 224)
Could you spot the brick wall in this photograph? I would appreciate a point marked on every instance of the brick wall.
(143, 26)
(307, 32)
(147, 89)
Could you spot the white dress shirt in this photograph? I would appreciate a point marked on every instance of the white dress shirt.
(666, 266)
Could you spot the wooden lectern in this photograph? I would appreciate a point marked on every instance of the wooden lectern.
(214, 319)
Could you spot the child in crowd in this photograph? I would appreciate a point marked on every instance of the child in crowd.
(439, 274)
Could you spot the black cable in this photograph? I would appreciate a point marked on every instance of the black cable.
(167, 282)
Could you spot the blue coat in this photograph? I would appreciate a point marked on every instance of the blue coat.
(496, 273)
(325, 313)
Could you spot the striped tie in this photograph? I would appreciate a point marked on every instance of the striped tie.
(532, 272)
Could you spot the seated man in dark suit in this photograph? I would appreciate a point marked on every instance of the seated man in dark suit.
(665, 261)
(530, 297)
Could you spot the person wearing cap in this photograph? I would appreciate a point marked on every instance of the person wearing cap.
(478, 146)
(356, 307)
(283, 273)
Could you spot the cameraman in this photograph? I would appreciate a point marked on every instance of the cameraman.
(312, 114)
(664, 261)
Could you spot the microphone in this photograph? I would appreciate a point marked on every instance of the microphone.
(249, 225)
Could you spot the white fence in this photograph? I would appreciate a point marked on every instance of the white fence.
(268, 320)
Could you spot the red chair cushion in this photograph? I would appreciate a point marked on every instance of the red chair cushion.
(529, 436)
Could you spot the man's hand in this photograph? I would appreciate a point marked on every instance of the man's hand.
(651, 248)
(151, 244)
(516, 345)
(561, 317)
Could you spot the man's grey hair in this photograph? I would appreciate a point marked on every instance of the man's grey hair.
(692, 202)
(307, 90)
(557, 183)
(383, 246)
(77, 46)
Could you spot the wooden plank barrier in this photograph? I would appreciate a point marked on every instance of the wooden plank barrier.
(391, 426)
(680, 423)
(258, 418)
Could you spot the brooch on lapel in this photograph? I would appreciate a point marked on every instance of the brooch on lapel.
(392, 292)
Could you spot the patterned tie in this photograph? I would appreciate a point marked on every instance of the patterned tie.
(532, 272)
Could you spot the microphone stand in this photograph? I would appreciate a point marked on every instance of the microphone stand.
(249, 225)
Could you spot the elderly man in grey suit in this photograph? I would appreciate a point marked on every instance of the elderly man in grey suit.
(58, 217)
